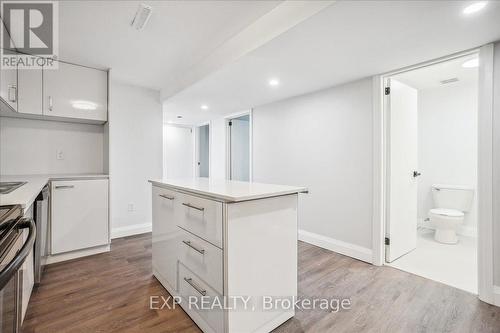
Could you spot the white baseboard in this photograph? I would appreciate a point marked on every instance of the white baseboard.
(77, 254)
(462, 230)
(348, 249)
(130, 230)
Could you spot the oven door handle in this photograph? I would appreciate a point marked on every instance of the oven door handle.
(11, 268)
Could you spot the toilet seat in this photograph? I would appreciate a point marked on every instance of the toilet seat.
(447, 212)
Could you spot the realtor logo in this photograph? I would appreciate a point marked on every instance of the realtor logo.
(29, 29)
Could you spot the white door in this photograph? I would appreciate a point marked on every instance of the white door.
(179, 152)
(401, 228)
(73, 91)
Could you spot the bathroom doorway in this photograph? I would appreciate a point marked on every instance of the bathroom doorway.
(432, 171)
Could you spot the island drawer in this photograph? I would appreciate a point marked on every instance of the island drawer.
(197, 296)
(202, 217)
(202, 258)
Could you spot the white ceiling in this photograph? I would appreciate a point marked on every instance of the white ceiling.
(430, 77)
(346, 41)
(178, 35)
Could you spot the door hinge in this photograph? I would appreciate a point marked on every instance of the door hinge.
(230, 123)
(387, 241)
(387, 90)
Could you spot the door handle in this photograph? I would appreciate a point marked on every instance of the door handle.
(65, 186)
(416, 174)
(188, 243)
(164, 196)
(195, 286)
(194, 207)
(50, 103)
(12, 93)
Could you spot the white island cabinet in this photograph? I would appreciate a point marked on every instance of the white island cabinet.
(224, 248)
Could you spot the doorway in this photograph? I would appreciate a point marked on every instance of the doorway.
(178, 143)
(432, 171)
(203, 151)
(239, 147)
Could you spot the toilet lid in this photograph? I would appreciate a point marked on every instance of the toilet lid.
(447, 212)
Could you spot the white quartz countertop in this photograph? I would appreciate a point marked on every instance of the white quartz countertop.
(228, 190)
(26, 194)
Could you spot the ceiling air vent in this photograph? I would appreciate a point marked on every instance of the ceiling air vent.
(455, 79)
(142, 16)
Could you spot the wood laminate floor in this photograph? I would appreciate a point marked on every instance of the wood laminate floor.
(111, 292)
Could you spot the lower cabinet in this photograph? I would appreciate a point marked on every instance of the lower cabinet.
(79, 215)
(210, 254)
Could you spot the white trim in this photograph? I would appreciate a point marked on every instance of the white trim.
(348, 249)
(485, 167)
(378, 229)
(485, 175)
(77, 254)
(496, 292)
(131, 230)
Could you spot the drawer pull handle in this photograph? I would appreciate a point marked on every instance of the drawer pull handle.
(164, 196)
(65, 186)
(188, 243)
(192, 284)
(194, 207)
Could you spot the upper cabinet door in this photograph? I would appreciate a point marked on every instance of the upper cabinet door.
(30, 91)
(8, 86)
(73, 91)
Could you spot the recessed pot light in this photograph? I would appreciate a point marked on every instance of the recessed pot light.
(475, 7)
(471, 63)
(274, 82)
(204, 107)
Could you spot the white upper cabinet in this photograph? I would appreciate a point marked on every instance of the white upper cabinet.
(76, 92)
(29, 93)
(8, 86)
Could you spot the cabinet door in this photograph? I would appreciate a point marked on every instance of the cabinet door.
(8, 86)
(73, 91)
(79, 214)
(30, 91)
(166, 235)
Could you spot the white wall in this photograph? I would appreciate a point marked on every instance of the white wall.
(447, 143)
(135, 155)
(30, 147)
(322, 140)
(178, 151)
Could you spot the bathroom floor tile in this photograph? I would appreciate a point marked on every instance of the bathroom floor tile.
(454, 265)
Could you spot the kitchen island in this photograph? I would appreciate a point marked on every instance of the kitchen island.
(227, 250)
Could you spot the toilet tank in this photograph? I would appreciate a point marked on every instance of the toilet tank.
(452, 197)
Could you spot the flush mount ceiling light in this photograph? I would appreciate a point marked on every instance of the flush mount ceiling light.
(142, 16)
(83, 105)
(274, 82)
(475, 7)
(472, 63)
(204, 107)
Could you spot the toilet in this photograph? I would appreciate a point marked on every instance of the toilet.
(451, 202)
